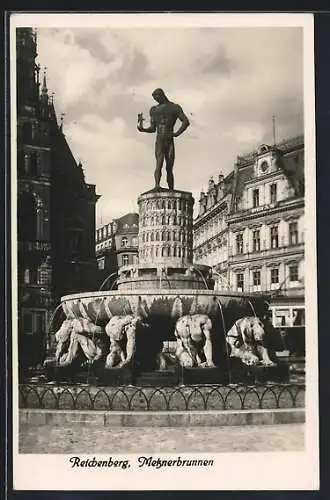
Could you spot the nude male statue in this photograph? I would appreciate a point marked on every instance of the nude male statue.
(163, 117)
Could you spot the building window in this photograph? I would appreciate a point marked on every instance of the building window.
(264, 166)
(34, 322)
(26, 278)
(124, 242)
(274, 237)
(134, 241)
(33, 164)
(239, 243)
(28, 323)
(298, 317)
(293, 233)
(27, 217)
(40, 321)
(126, 226)
(76, 242)
(282, 317)
(273, 193)
(124, 260)
(256, 278)
(44, 276)
(293, 273)
(256, 240)
(26, 131)
(101, 263)
(240, 282)
(255, 198)
(274, 276)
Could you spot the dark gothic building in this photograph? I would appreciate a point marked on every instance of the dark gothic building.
(55, 209)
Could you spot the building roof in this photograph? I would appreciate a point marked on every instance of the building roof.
(290, 159)
(128, 223)
(66, 170)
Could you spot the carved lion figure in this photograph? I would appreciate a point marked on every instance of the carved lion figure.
(246, 339)
(74, 336)
(194, 346)
(121, 329)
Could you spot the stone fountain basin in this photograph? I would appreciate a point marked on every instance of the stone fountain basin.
(164, 307)
(159, 311)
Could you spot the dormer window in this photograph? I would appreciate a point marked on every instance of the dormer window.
(255, 198)
(263, 149)
(263, 166)
(273, 193)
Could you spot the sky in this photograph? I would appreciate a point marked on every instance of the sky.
(229, 82)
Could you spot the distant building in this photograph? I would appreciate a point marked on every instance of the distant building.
(55, 208)
(211, 227)
(117, 244)
(250, 228)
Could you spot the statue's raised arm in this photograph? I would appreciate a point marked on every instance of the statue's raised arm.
(149, 130)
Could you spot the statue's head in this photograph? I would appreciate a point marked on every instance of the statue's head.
(159, 95)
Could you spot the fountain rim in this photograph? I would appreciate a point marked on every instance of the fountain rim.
(159, 292)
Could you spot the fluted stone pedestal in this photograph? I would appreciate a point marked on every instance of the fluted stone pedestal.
(165, 245)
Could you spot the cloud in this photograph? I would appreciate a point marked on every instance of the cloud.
(219, 63)
(229, 81)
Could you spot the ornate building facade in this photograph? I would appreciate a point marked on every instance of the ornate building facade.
(117, 244)
(211, 228)
(250, 228)
(55, 208)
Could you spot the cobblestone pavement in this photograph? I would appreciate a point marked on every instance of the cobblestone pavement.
(92, 439)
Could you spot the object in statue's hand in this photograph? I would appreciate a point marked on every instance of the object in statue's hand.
(140, 120)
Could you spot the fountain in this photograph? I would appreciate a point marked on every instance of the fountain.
(165, 324)
(165, 315)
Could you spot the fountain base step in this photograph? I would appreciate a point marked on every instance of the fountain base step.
(240, 373)
(203, 376)
(95, 375)
(157, 378)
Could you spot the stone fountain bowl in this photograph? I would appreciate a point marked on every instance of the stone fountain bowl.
(160, 309)
(163, 305)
